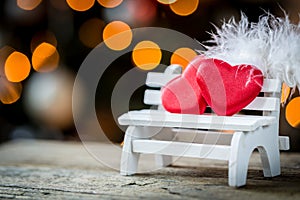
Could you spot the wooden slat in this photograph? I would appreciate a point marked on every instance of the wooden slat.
(219, 152)
(264, 104)
(284, 143)
(213, 137)
(153, 97)
(157, 80)
(271, 85)
(160, 119)
(202, 136)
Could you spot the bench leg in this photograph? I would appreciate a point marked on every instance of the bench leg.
(270, 159)
(163, 160)
(239, 160)
(129, 159)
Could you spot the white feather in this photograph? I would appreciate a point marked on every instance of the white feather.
(272, 45)
(284, 52)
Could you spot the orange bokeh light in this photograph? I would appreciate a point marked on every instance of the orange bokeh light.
(285, 93)
(110, 3)
(28, 4)
(40, 37)
(90, 32)
(117, 35)
(80, 5)
(17, 67)
(166, 1)
(183, 56)
(45, 58)
(184, 7)
(292, 113)
(9, 92)
(146, 55)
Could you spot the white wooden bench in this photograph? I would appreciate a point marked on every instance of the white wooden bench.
(209, 137)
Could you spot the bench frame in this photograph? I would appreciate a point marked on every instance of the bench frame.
(209, 137)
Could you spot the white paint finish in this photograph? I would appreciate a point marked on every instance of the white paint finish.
(203, 136)
(271, 85)
(157, 80)
(219, 152)
(247, 132)
(129, 159)
(152, 97)
(160, 159)
(164, 119)
(263, 104)
(242, 146)
(284, 143)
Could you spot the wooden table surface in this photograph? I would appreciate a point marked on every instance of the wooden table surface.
(39, 169)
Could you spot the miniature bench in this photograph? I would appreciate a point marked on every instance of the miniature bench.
(230, 138)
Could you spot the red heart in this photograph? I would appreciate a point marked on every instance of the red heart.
(228, 89)
(182, 94)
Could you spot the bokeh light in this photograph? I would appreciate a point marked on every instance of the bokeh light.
(292, 113)
(184, 7)
(90, 32)
(17, 67)
(18, 16)
(142, 12)
(42, 36)
(183, 56)
(9, 92)
(28, 4)
(285, 93)
(166, 1)
(80, 5)
(48, 98)
(146, 55)
(110, 3)
(45, 58)
(135, 13)
(117, 35)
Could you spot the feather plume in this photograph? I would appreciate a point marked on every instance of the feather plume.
(272, 44)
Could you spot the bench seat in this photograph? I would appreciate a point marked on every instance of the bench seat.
(159, 118)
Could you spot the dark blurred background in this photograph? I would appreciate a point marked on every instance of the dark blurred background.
(40, 105)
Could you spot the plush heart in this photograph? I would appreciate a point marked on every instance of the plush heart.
(182, 94)
(228, 89)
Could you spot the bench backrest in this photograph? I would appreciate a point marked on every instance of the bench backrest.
(269, 103)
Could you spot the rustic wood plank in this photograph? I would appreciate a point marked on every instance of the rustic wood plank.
(65, 170)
